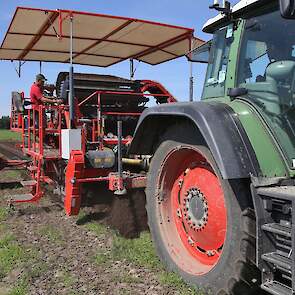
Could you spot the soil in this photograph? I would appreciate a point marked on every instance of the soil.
(65, 258)
(73, 254)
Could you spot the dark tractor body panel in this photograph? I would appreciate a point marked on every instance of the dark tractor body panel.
(216, 123)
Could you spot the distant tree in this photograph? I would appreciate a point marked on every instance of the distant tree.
(4, 122)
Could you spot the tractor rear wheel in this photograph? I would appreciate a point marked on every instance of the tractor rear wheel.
(203, 227)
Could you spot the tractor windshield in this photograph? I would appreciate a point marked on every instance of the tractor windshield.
(267, 70)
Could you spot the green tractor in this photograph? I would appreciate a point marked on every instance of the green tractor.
(220, 188)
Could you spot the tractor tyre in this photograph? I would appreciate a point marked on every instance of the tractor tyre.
(203, 226)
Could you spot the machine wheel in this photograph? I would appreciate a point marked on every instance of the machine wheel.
(203, 227)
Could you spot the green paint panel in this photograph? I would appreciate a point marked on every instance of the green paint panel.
(233, 55)
(269, 154)
(270, 160)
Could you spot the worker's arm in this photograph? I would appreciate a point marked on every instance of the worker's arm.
(50, 100)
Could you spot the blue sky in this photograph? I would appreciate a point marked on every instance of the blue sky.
(174, 74)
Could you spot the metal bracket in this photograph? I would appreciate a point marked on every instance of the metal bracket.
(226, 9)
(18, 69)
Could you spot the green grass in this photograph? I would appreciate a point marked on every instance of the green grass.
(139, 251)
(21, 288)
(11, 255)
(125, 278)
(11, 176)
(14, 256)
(97, 228)
(67, 279)
(52, 233)
(7, 135)
(173, 280)
(3, 213)
(102, 258)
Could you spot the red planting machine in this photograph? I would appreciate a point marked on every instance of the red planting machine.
(86, 138)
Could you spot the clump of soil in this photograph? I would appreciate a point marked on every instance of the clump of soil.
(128, 214)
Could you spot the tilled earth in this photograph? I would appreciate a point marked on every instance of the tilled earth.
(72, 254)
(62, 250)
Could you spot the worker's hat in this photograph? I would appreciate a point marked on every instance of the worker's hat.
(40, 77)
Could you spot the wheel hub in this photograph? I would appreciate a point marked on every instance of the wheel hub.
(195, 208)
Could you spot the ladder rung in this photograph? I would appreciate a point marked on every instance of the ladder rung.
(22, 198)
(279, 193)
(278, 260)
(276, 288)
(28, 182)
(277, 228)
(32, 168)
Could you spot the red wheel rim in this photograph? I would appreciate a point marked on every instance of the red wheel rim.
(191, 210)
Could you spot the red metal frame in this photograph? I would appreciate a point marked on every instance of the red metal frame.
(16, 118)
(97, 123)
(33, 135)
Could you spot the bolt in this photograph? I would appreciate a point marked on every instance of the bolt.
(180, 183)
(190, 241)
(178, 213)
(210, 253)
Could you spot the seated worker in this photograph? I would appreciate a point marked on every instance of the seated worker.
(36, 93)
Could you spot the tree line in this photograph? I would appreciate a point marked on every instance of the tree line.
(5, 122)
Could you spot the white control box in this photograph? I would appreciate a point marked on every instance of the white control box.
(71, 139)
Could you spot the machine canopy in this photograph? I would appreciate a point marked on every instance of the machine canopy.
(98, 40)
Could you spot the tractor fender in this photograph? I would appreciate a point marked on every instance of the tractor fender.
(215, 123)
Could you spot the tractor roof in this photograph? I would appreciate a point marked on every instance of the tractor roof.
(99, 40)
(239, 8)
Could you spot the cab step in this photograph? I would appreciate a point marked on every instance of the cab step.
(26, 183)
(275, 239)
(278, 229)
(280, 261)
(276, 288)
(32, 168)
(22, 198)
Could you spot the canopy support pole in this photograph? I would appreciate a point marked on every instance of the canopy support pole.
(18, 69)
(40, 67)
(132, 71)
(191, 83)
(191, 79)
(71, 77)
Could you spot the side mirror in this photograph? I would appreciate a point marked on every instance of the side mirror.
(201, 53)
(287, 8)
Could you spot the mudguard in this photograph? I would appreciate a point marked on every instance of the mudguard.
(216, 122)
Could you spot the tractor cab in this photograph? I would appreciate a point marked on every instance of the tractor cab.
(251, 57)
(251, 72)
